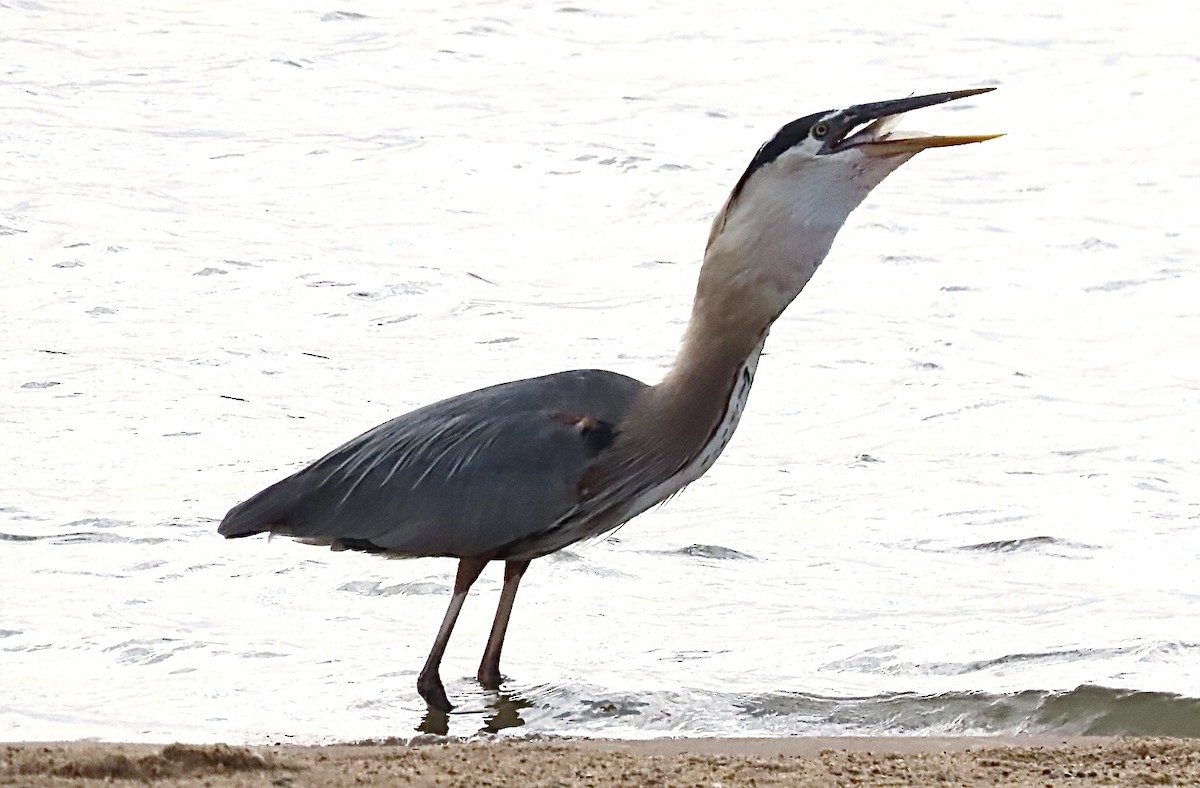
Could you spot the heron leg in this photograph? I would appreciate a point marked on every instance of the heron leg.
(489, 669)
(429, 683)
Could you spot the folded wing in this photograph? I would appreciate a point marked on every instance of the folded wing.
(465, 476)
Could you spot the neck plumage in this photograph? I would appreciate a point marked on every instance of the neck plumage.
(758, 259)
(676, 429)
(764, 246)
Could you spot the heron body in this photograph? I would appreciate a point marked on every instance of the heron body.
(464, 464)
(522, 469)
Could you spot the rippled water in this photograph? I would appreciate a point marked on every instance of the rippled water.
(964, 495)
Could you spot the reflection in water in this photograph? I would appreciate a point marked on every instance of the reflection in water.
(505, 707)
(435, 722)
(503, 711)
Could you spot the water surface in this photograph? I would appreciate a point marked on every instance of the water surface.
(963, 497)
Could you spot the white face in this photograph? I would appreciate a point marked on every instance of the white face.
(787, 214)
(809, 191)
(798, 191)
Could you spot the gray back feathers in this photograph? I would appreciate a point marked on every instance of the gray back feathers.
(476, 474)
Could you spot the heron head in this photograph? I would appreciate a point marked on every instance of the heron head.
(782, 216)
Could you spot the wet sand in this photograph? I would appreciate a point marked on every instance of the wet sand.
(882, 761)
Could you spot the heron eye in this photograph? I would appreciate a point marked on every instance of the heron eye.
(820, 130)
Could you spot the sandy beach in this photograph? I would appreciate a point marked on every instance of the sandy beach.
(874, 761)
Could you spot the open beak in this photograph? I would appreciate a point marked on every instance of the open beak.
(877, 138)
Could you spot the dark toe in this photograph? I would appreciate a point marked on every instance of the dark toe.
(490, 680)
(434, 695)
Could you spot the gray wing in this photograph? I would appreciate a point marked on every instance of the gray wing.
(462, 477)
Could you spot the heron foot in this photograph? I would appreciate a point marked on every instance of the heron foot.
(429, 687)
(490, 677)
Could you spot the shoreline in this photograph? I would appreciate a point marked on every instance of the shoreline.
(800, 760)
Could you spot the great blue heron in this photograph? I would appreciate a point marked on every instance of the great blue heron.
(522, 469)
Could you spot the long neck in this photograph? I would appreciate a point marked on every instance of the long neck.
(720, 346)
(764, 246)
(677, 428)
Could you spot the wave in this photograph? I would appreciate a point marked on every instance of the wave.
(1087, 710)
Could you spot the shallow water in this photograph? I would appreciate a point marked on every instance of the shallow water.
(963, 497)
